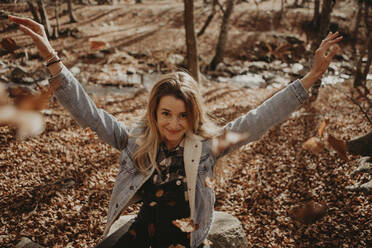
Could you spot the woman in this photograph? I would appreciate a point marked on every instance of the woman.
(166, 160)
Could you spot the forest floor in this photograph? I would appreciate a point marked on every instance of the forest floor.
(55, 188)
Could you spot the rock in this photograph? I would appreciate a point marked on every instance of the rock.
(365, 165)
(75, 70)
(361, 145)
(226, 231)
(247, 80)
(221, 67)
(27, 243)
(365, 188)
(131, 71)
(175, 59)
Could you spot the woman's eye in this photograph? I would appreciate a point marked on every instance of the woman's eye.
(184, 115)
(165, 113)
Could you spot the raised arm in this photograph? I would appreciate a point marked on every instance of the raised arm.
(70, 93)
(278, 108)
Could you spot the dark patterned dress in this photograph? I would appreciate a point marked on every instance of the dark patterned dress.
(165, 199)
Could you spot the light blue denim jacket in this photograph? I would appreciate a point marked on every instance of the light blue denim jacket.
(198, 158)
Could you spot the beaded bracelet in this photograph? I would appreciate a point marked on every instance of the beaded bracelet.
(53, 62)
(51, 57)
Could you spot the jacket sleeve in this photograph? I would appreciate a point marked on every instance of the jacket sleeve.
(73, 97)
(271, 112)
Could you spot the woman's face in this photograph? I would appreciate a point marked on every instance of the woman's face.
(172, 120)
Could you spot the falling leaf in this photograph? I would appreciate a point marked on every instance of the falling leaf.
(159, 193)
(226, 140)
(9, 44)
(313, 145)
(152, 204)
(97, 45)
(209, 182)
(309, 212)
(339, 146)
(185, 225)
(321, 128)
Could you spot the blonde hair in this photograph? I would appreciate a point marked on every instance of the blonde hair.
(182, 86)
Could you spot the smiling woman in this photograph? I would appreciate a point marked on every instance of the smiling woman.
(169, 158)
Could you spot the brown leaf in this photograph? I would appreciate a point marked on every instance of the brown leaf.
(97, 45)
(309, 212)
(159, 193)
(9, 44)
(185, 225)
(339, 146)
(321, 128)
(313, 145)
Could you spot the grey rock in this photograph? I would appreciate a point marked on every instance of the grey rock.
(365, 188)
(364, 165)
(27, 243)
(75, 70)
(226, 230)
(175, 59)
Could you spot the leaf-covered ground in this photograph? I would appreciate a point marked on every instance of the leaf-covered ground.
(55, 187)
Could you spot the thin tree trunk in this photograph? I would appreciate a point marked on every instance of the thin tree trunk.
(70, 12)
(316, 13)
(33, 11)
(209, 18)
(191, 42)
(44, 18)
(56, 13)
(324, 19)
(222, 39)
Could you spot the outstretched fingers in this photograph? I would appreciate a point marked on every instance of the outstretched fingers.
(29, 23)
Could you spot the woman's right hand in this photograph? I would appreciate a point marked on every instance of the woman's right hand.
(37, 33)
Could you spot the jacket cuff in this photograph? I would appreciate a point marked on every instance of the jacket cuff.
(300, 92)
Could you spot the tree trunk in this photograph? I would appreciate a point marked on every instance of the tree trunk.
(323, 25)
(70, 12)
(56, 13)
(191, 42)
(316, 13)
(33, 11)
(361, 77)
(356, 27)
(44, 18)
(209, 18)
(222, 39)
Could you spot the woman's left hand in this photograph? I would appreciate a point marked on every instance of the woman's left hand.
(322, 58)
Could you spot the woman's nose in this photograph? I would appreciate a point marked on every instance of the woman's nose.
(174, 123)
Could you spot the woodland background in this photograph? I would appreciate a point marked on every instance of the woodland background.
(56, 178)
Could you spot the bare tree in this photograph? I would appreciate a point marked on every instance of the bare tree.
(70, 12)
(209, 18)
(33, 11)
(44, 18)
(323, 23)
(360, 75)
(222, 39)
(191, 42)
(56, 13)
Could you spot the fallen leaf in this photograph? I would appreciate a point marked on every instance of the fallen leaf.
(309, 212)
(313, 145)
(159, 193)
(339, 146)
(9, 44)
(185, 225)
(97, 45)
(321, 128)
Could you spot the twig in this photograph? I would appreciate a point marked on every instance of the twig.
(356, 103)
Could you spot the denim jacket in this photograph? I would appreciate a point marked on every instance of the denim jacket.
(199, 159)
